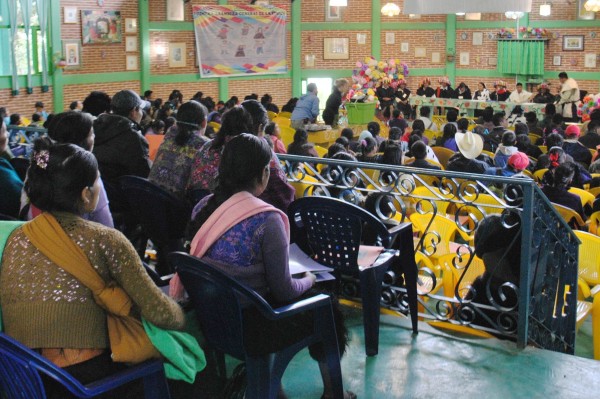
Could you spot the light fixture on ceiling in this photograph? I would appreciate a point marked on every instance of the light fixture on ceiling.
(592, 5)
(390, 10)
(338, 3)
(460, 14)
(514, 14)
(473, 16)
(545, 10)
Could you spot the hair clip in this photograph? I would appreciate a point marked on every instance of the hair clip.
(41, 159)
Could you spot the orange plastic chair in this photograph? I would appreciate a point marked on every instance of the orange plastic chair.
(443, 154)
(154, 142)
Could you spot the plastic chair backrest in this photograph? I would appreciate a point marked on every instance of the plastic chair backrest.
(439, 120)
(528, 173)
(154, 142)
(431, 194)
(331, 230)
(218, 302)
(539, 174)
(441, 226)
(586, 198)
(595, 191)
(272, 115)
(443, 154)
(161, 214)
(321, 151)
(543, 149)
(282, 122)
(589, 257)
(287, 134)
(594, 223)
(488, 153)
(534, 137)
(284, 114)
(215, 125)
(461, 279)
(432, 135)
(569, 215)
(305, 187)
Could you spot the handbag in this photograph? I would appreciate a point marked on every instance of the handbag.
(129, 341)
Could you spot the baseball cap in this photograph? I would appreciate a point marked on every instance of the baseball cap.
(572, 131)
(519, 161)
(126, 100)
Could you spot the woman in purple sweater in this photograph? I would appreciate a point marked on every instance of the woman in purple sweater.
(248, 239)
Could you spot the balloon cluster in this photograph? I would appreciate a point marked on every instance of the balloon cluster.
(537, 32)
(586, 107)
(368, 74)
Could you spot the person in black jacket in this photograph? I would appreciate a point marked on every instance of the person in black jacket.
(120, 147)
(470, 158)
(425, 88)
(592, 138)
(332, 106)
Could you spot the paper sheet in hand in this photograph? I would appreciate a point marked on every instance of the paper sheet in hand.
(300, 262)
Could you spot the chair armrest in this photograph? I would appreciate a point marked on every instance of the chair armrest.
(130, 374)
(584, 288)
(311, 303)
(394, 231)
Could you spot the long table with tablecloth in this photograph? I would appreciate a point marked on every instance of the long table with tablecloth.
(469, 106)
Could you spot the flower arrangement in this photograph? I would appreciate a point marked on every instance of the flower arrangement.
(523, 33)
(585, 108)
(368, 74)
(59, 61)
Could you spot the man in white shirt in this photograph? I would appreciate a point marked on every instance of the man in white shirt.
(569, 96)
(424, 113)
(519, 96)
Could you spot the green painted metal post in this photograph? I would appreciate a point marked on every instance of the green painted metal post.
(296, 66)
(223, 81)
(376, 29)
(56, 47)
(451, 47)
(144, 24)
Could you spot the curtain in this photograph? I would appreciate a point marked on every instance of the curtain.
(12, 15)
(521, 57)
(43, 11)
(26, 10)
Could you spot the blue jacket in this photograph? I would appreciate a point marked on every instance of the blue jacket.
(307, 107)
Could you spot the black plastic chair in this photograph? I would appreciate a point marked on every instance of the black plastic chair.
(330, 230)
(218, 301)
(163, 216)
(20, 370)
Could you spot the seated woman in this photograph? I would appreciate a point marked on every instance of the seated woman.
(272, 130)
(248, 239)
(556, 187)
(173, 164)
(75, 127)
(46, 308)
(9, 179)
(301, 146)
(448, 138)
(368, 150)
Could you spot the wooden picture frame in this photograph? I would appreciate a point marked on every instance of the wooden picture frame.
(72, 53)
(556, 60)
(572, 43)
(177, 55)
(336, 48)
(582, 13)
(130, 25)
(101, 27)
(70, 15)
(332, 13)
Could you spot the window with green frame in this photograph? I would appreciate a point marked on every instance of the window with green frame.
(21, 41)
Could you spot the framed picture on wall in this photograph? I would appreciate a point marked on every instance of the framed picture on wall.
(582, 13)
(131, 44)
(175, 10)
(72, 53)
(332, 13)
(336, 48)
(131, 62)
(176, 55)
(572, 43)
(130, 25)
(556, 61)
(100, 27)
(70, 16)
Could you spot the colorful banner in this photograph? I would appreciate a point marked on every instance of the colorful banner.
(240, 40)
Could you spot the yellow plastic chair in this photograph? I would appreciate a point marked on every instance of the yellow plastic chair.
(282, 122)
(427, 284)
(534, 137)
(272, 115)
(589, 283)
(594, 191)
(215, 125)
(593, 152)
(543, 148)
(456, 277)
(435, 195)
(287, 135)
(287, 115)
(304, 188)
(539, 174)
(487, 203)
(586, 197)
(439, 120)
(442, 226)
(528, 174)
(594, 223)
(432, 135)
(443, 154)
(321, 151)
(428, 179)
(570, 216)
(488, 153)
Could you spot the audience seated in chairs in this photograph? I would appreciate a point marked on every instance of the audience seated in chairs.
(470, 157)
(173, 164)
(37, 295)
(506, 148)
(248, 239)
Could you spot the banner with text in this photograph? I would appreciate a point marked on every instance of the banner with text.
(240, 40)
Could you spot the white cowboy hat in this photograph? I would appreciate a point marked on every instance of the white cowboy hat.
(469, 144)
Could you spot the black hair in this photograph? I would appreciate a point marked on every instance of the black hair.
(265, 99)
(451, 115)
(170, 121)
(557, 119)
(509, 138)
(347, 133)
(157, 125)
(300, 138)
(418, 150)
(562, 175)
(463, 124)
(554, 140)
(550, 109)
(343, 141)
(523, 141)
(498, 118)
(395, 133)
(176, 97)
(396, 113)
(413, 139)
(493, 234)
(148, 93)
(270, 128)
(258, 113)
(36, 117)
(190, 117)
(73, 105)
(520, 84)
(334, 149)
(71, 127)
(521, 128)
(367, 145)
(530, 117)
(198, 96)
(96, 103)
(425, 111)
(563, 75)
(449, 133)
(3, 112)
(233, 122)
(595, 115)
(483, 84)
(57, 176)
(374, 128)
(344, 156)
(392, 154)
(487, 114)
(242, 165)
(208, 103)
(418, 124)
(14, 119)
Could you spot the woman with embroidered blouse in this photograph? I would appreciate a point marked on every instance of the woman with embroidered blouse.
(45, 307)
(173, 164)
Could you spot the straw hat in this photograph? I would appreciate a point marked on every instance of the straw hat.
(469, 144)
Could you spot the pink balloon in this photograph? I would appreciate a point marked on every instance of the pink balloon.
(358, 64)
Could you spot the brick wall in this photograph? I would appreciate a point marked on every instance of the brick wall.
(280, 89)
(80, 92)
(23, 103)
(209, 89)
